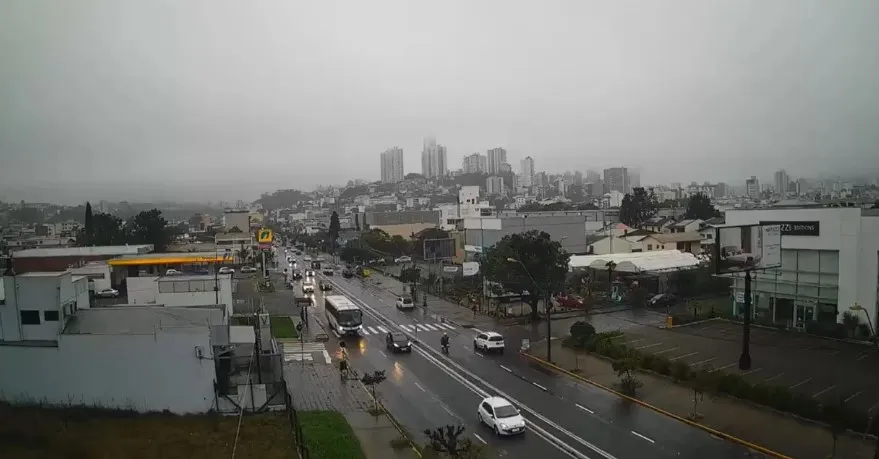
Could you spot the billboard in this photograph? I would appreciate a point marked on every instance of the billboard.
(439, 249)
(745, 248)
(264, 236)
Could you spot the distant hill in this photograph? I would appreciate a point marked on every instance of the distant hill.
(282, 199)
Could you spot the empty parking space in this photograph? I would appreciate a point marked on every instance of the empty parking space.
(824, 369)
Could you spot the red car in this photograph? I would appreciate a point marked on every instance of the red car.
(570, 302)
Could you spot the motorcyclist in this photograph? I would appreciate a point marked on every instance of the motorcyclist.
(444, 341)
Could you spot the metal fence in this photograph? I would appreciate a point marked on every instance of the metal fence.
(293, 417)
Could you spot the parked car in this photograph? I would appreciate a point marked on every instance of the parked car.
(172, 272)
(398, 342)
(108, 293)
(662, 300)
(488, 342)
(226, 270)
(405, 302)
(403, 259)
(570, 301)
(248, 269)
(501, 416)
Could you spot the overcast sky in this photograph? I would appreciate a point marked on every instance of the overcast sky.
(217, 99)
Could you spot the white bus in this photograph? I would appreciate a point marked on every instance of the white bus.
(343, 315)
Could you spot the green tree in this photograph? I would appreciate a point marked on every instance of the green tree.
(638, 207)
(333, 231)
(89, 228)
(448, 441)
(625, 367)
(528, 262)
(371, 381)
(699, 207)
(704, 380)
(149, 227)
(106, 229)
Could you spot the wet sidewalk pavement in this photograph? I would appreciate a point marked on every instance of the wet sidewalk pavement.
(775, 431)
(317, 386)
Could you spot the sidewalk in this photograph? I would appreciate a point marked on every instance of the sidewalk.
(764, 427)
(318, 387)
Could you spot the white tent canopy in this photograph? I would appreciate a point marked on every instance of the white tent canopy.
(638, 262)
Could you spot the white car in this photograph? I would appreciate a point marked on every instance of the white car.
(172, 272)
(248, 269)
(108, 293)
(404, 302)
(488, 342)
(501, 416)
(403, 260)
(308, 287)
(227, 270)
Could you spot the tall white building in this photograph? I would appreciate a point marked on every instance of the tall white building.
(392, 165)
(752, 187)
(782, 182)
(474, 164)
(494, 185)
(527, 171)
(433, 159)
(496, 157)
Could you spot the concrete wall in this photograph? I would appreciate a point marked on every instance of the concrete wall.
(142, 290)
(143, 372)
(98, 273)
(198, 296)
(488, 231)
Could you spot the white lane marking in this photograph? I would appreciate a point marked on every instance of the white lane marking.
(477, 353)
(382, 329)
(480, 439)
(539, 386)
(506, 369)
(457, 372)
(407, 328)
(365, 330)
(649, 345)
(800, 383)
(447, 410)
(584, 408)
(667, 350)
(420, 327)
(682, 356)
(824, 391)
(633, 341)
(429, 327)
(447, 326)
(863, 356)
(642, 436)
(751, 371)
(419, 386)
(703, 361)
(327, 357)
(382, 353)
(724, 367)
(774, 377)
(480, 331)
(852, 396)
(381, 300)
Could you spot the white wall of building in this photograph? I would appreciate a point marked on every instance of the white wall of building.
(41, 297)
(195, 291)
(150, 372)
(98, 274)
(142, 290)
(842, 230)
(81, 288)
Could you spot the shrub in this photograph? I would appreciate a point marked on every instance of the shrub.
(661, 365)
(806, 407)
(582, 330)
(680, 371)
(780, 398)
(762, 394)
(734, 385)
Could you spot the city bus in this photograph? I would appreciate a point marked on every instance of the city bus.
(343, 316)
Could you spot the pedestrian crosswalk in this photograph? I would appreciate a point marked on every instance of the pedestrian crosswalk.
(296, 351)
(410, 328)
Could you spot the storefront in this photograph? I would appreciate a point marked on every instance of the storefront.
(830, 261)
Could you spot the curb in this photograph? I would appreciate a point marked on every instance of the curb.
(689, 422)
(393, 420)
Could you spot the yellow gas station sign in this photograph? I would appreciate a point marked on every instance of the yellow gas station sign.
(264, 236)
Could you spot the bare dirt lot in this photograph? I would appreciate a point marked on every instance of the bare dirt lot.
(827, 370)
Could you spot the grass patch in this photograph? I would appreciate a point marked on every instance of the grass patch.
(86, 433)
(328, 435)
(282, 327)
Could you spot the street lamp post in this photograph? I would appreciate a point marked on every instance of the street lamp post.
(546, 306)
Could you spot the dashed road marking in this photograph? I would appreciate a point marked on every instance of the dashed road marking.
(853, 396)
(419, 386)
(506, 369)
(751, 371)
(800, 383)
(480, 439)
(584, 408)
(480, 331)
(666, 350)
(648, 346)
(724, 367)
(642, 436)
(383, 353)
(539, 386)
(633, 341)
(382, 329)
(703, 361)
(824, 391)
(863, 356)
(682, 356)
(774, 377)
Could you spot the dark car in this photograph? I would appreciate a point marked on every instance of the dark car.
(328, 271)
(298, 252)
(398, 342)
(297, 275)
(662, 300)
(347, 274)
(325, 286)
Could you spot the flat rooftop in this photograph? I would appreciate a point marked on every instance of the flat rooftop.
(43, 274)
(104, 250)
(141, 320)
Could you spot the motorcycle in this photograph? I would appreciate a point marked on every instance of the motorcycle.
(445, 348)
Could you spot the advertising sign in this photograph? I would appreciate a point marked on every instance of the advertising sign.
(797, 228)
(470, 268)
(264, 236)
(747, 248)
(450, 269)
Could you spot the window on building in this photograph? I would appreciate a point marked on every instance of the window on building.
(50, 316)
(30, 317)
(649, 246)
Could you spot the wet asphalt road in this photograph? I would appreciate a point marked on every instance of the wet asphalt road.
(425, 390)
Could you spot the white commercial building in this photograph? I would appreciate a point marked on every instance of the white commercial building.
(830, 261)
(494, 185)
(496, 157)
(527, 172)
(178, 291)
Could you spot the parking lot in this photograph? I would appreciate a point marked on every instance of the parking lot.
(827, 370)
